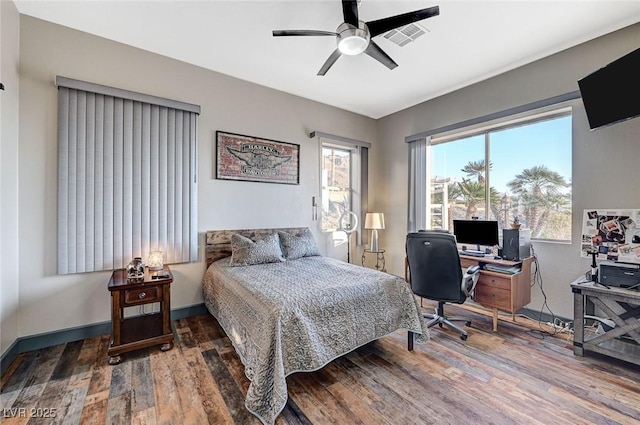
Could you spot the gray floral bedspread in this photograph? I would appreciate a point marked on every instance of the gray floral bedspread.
(301, 314)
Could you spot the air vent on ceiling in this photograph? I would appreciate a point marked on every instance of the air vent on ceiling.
(406, 34)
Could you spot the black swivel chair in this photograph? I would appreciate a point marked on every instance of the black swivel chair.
(434, 272)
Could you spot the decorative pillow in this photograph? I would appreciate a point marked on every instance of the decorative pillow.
(245, 252)
(297, 246)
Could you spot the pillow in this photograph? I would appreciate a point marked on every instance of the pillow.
(245, 252)
(297, 246)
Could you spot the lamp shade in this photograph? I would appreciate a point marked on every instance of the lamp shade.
(155, 260)
(374, 221)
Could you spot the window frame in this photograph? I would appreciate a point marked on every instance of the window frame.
(359, 165)
(352, 153)
(530, 117)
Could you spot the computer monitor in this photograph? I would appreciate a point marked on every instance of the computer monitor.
(476, 232)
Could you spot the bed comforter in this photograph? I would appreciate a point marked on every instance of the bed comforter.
(301, 314)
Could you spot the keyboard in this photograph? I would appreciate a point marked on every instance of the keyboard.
(472, 253)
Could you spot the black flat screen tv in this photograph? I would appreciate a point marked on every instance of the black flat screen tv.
(476, 232)
(612, 94)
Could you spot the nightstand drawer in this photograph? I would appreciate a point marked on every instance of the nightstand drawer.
(141, 296)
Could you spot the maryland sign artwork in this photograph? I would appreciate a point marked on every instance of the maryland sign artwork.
(249, 158)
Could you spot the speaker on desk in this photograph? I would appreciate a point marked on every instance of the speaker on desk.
(516, 244)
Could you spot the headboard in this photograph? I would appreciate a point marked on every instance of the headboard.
(218, 243)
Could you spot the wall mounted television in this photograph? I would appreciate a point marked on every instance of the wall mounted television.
(612, 93)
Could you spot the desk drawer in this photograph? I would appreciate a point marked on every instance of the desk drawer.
(141, 296)
(494, 281)
(492, 297)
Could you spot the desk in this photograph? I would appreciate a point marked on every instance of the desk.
(620, 305)
(501, 291)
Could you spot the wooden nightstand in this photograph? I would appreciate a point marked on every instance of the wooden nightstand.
(134, 333)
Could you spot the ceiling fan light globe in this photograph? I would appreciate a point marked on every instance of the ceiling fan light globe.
(352, 41)
(353, 45)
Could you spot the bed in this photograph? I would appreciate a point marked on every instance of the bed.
(297, 313)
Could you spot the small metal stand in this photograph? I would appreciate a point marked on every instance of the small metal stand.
(380, 261)
(594, 269)
(594, 266)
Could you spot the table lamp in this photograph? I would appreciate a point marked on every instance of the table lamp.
(373, 222)
(154, 262)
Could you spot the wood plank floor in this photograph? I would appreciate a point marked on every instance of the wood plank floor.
(515, 376)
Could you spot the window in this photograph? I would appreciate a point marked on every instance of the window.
(343, 181)
(336, 186)
(512, 170)
(126, 177)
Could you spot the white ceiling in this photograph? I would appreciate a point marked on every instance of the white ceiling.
(468, 42)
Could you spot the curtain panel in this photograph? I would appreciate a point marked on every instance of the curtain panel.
(126, 179)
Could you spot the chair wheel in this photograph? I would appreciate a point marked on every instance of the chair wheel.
(440, 324)
(468, 323)
(463, 337)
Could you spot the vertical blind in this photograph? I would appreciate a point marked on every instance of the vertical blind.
(418, 178)
(126, 177)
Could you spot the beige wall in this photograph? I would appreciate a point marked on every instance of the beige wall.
(605, 161)
(9, 271)
(49, 302)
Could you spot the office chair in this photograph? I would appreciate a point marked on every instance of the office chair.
(434, 272)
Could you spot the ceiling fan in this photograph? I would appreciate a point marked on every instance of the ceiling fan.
(354, 36)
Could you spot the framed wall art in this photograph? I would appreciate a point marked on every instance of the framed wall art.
(247, 158)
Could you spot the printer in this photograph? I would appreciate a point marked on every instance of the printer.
(624, 275)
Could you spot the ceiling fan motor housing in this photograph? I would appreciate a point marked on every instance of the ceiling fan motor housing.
(351, 40)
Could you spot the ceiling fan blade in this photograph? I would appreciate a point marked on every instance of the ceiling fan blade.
(378, 54)
(329, 62)
(285, 33)
(381, 26)
(350, 12)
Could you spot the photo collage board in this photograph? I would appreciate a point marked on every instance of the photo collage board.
(612, 234)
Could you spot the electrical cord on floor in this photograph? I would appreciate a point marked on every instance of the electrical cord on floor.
(537, 280)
